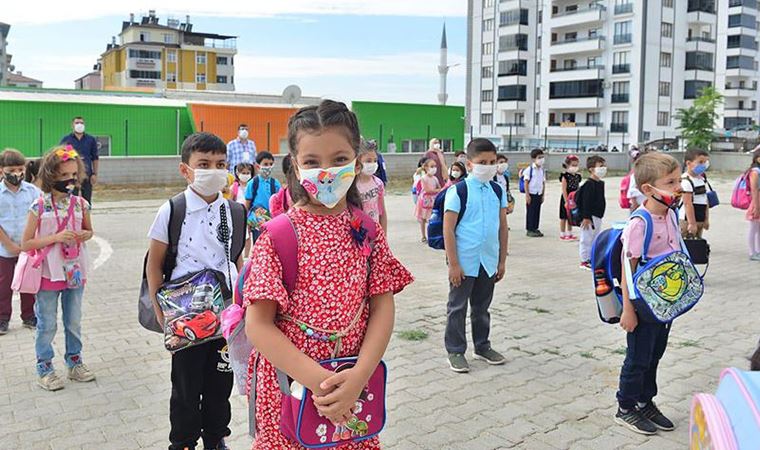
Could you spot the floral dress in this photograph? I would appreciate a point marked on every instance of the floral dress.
(330, 290)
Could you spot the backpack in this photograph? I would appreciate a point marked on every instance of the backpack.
(625, 184)
(177, 208)
(255, 188)
(435, 224)
(661, 288)
(712, 196)
(741, 196)
(573, 207)
(521, 182)
(285, 244)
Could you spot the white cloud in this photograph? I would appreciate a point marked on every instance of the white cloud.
(55, 11)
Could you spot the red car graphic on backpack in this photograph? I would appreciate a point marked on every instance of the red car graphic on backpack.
(195, 326)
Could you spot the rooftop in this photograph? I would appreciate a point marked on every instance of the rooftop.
(19, 78)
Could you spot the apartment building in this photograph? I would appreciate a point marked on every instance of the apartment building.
(149, 56)
(5, 58)
(571, 73)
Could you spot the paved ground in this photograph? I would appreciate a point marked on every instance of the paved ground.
(556, 391)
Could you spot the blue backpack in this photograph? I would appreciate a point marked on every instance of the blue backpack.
(435, 224)
(661, 288)
(521, 181)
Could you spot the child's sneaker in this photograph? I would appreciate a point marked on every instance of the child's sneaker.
(491, 356)
(635, 421)
(755, 257)
(3, 327)
(458, 363)
(30, 323)
(50, 382)
(651, 412)
(572, 237)
(81, 373)
(585, 265)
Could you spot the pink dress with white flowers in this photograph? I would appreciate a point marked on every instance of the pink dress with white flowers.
(330, 288)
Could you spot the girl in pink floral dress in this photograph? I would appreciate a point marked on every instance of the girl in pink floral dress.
(333, 286)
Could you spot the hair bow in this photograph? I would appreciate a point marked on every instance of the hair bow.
(67, 153)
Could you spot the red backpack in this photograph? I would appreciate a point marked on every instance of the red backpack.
(625, 184)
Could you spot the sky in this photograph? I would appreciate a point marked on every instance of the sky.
(342, 49)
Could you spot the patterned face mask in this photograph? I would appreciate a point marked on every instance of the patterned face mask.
(328, 186)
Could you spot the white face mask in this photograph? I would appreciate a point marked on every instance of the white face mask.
(540, 161)
(432, 170)
(572, 169)
(208, 182)
(483, 172)
(244, 177)
(369, 168)
(437, 146)
(455, 174)
(600, 172)
(243, 134)
(79, 128)
(328, 186)
(501, 168)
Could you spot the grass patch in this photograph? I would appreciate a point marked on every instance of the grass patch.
(524, 296)
(541, 310)
(413, 335)
(587, 355)
(689, 343)
(519, 337)
(552, 351)
(619, 351)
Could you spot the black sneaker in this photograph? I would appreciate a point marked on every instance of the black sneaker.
(491, 356)
(458, 363)
(539, 233)
(220, 446)
(30, 323)
(636, 422)
(3, 327)
(652, 412)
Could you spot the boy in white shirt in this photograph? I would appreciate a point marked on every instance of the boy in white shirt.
(695, 214)
(535, 187)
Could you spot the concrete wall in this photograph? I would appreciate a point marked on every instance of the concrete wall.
(164, 169)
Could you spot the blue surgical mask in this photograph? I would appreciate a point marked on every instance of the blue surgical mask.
(699, 169)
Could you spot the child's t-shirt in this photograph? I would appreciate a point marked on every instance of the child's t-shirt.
(371, 191)
(698, 188)
(263, 191)
(13, 207)
(534, 179)
(666, 237)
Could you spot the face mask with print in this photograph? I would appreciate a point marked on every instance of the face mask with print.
(572, 169)
(455, 174)
(502, 167)
(600, 172)
(244, 177)
(432, 171)
(14, 179)
(484, 173)
(243, 134)
(208, 182)
(65, 186)
(540, 161)
(369, 168)
(79, 128)
(699, 169)
(265, 172)
(670, 199)
(328, 186)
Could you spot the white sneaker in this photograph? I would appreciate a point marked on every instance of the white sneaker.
(50, 382)
(81, 373)
(755, 257)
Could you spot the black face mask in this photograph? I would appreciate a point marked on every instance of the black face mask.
(13, 179)
(65, 186)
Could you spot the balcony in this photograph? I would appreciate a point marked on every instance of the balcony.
(511, 105)
(578, 17)
(706, 6)
(620, 39)
(745, 73)
(512, 129)
(576, 103)
(619, 98)
(621, 68)
(578, 45)
(752, 4)
(700, 44)
(575, 73)
(625, 8)
(573, 129)
(618, 128)
(736, 91)
(735, 111)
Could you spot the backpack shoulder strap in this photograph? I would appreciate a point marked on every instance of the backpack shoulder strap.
(644, 215)
(368, 223)
(271, 185)
(497, 189)
(177, 210)
(461, 188)
(254, 189)
(285, 243)
(238, 224)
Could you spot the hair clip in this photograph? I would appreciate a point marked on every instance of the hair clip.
(67, 153)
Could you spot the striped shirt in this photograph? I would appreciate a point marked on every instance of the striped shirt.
(239, 152)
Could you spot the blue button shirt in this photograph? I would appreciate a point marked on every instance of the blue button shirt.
(477, 235)
(14, 208)
(263, 192)
(87, 147)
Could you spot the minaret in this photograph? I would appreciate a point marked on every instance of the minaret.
(443, 68)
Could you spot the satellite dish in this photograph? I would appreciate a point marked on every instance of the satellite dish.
(291, 94)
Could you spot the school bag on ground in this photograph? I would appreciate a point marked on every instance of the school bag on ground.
(625, 184)
(435, 224)
(521, 181)
(741, 196)
(730, 419)
(177, 207)
(661, 289)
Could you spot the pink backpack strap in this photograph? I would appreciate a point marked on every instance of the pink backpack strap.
(368, 223)
(285, 243)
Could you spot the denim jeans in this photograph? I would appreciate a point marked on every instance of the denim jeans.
(46, 310)
(638, 377)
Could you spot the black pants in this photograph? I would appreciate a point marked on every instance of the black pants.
(533, 216)
(638, 377)
(86, 190)
(200, 400)
(479, 292)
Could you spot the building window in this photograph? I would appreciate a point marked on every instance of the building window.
(486, 95)
(623, 33)
(168, 38)
(486, 72)
(692, 88)
(623, 6)
(144, 36)
(620, 92)
(593, 119)
(221, 79)
(741, 41)
(667, 3)
(665, 59)
(742, 20)
(514, 17)
(664, 89)
(666, 29)
(221, 60)
(200, 58)
(740, 62)
(707, 6)
(576, 89)
(200, 78)
(487, 4)
(515, 92)
(699, 61)
(620, 62)
(513, 42)
(513, 67)
(487, 48)
(486, 119)
(144, 54)
(519, 119)
(171, 56)
(145, 74)
(488, 24)
(619, 122)
(663, 118)
(171, 77)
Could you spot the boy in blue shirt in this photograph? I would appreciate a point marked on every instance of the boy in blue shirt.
(16, 195)
(476, 248)
(258, 193)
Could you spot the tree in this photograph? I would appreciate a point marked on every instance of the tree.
(698, 120)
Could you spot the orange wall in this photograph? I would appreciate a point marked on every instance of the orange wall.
(223, 121)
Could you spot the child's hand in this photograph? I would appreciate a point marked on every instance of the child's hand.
(13, 249)
(338, 405)
(706, 225)
(691, 229)
(65, 236)
(586, 224)
(84, 235)
(456, 275)
(500, 271)
(527, 199)
(629, 321)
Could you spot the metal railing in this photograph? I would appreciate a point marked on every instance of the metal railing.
(700, 39)
(575, 124)
(619, 98)
(624, 8)
(619, 127)
(621, 68)
(599, 8)
(578, 39)
(570, 69)
(626, 38)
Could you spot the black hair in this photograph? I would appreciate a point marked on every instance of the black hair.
(535, 153)
(202, 142)
(593, 160)
(32, 169)
(501, 156)
(461, 168)
(422, 161)
(287, 164)
(569, 160)
(243, 166)
(480, 145)
(242, 125)
(261, 156)
(314, 119)
(693, 153)
(754, 361)
(77, 117)
(459, 153)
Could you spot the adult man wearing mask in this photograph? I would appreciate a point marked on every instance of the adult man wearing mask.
(241, 149)
(436, 154)
(87, 147)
